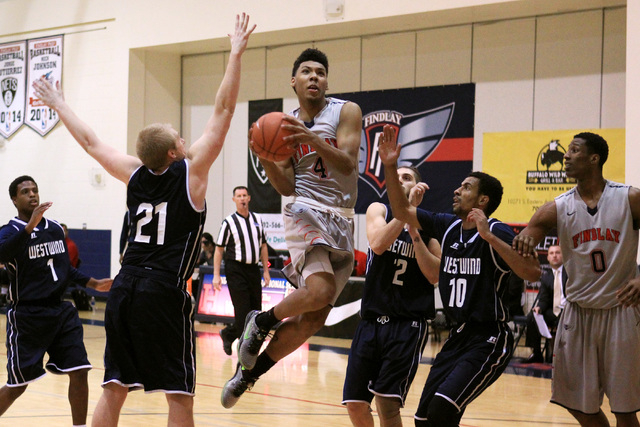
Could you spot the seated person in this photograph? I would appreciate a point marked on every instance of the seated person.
(550, 302)
(208, 247)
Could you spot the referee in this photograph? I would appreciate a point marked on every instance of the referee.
(242, 241)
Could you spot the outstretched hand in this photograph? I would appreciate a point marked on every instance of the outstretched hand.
(478, 217)
(241, 35)
(388, 149)
(36, 215)
(525, 245)
(45, 91)
(417, 194)
(103, 285)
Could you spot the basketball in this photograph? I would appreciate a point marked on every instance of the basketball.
(267, 136)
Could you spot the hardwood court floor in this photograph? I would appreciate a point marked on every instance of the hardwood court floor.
(304, 390)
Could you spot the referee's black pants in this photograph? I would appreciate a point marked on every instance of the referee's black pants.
(245, 288)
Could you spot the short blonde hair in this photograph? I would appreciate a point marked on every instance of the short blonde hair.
(154, 141)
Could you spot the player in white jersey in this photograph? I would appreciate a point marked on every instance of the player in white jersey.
(323, 178)
(598, 339)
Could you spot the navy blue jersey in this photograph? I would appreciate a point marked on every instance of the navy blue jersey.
(165, 227)
(38, 263)
(472, 277)
(394, 285)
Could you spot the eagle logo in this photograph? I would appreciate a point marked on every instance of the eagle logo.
(418, 133)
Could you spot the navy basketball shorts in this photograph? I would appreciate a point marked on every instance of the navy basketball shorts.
(150, 335)
(33, 331)
(473, 357)
(384, 358)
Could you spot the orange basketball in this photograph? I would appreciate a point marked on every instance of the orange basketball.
(267, 134)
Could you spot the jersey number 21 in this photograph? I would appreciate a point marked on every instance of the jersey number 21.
(144, 229)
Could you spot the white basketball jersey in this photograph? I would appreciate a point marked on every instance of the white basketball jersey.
(599, 250)
(316, 179)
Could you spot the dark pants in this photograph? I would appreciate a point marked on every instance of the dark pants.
(534, 339)
(245, 288)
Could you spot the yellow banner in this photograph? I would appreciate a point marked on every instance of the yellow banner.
(531, 169)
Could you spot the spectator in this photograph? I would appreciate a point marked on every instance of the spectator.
(550, 303)
(207, 249)
(74, 255)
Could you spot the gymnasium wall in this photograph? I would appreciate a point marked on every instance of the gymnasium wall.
(128, 64)
(564, 71)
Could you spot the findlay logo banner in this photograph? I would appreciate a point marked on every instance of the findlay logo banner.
(435, 128)
(45, 60)
(531, 168)
(13, 70)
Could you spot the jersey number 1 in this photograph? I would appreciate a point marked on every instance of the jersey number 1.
(149, 210)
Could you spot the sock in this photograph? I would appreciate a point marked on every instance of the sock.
(263, 364)
(266, 320)
(79, 425)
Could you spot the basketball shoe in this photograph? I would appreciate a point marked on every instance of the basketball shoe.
(250, 341)
(235, 387)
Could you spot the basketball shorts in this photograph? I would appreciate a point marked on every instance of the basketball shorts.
(33, 331)
(150, 335)
(309, 230)
(596, 353)
(473, 357)
(384, 358)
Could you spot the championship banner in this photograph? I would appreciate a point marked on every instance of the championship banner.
(45, 60)
(12, 85)
(531, 168)
(435, 128)
(264, 198)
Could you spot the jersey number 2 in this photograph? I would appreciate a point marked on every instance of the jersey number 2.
(149, 210)
(402, 267)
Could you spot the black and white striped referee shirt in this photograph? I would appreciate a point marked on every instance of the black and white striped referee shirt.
(242, 237)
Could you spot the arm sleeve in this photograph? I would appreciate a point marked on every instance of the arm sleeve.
(78, 277)
(11, 241)
(433, 224)
(223, 234)
(506, 234)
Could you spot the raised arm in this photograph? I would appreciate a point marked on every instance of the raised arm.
(206, 149)
(119, 165)
(380, 233)
(389, 152)
(428, 257)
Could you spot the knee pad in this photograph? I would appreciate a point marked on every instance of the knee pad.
(442, 413)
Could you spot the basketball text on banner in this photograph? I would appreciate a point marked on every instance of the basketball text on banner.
(13, 70)
(531, 168)
(45, 60)
(264, 198)
(435, 128)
